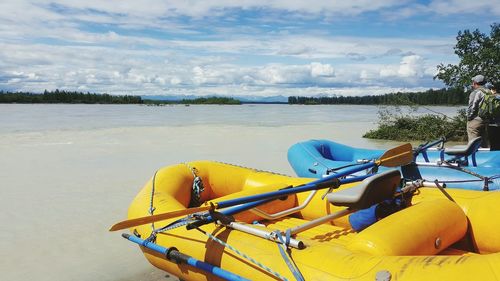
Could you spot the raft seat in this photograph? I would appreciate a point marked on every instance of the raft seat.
(370, 191)
(464, 152)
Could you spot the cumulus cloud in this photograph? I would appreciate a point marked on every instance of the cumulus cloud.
(150, 48)
(321, 70)
(410, 67)
(112, 70)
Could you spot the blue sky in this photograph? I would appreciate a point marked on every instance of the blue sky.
(225, 47)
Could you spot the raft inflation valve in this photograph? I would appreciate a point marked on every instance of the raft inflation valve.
(437, 243)
(383, 275)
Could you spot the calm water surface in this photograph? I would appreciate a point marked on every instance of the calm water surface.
(41, 117)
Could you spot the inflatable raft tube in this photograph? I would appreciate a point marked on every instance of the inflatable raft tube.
(315, 158)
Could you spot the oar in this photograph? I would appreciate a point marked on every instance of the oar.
(172, 254)
(394, 157)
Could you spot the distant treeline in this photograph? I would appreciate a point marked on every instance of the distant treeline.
(451, 96)
(209, 100)
(58, 96)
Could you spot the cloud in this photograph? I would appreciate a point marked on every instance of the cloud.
(412, 69)
(295, 50)
(411, 66)
(207, 8)
(119, 71)
(483, 8)
(321, 70)
(392, 52)
(272, 75)
(258, 46)
(356, 56)
(479, 7)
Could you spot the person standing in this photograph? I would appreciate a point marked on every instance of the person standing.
(476, 126)
(494, 124)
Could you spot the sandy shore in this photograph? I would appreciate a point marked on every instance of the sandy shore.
(61, 190)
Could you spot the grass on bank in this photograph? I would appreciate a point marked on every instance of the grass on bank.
(401, 126)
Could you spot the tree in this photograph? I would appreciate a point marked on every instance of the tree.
(478, 53)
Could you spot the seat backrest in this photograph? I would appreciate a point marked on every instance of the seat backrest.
(370, 191)
(470, 148)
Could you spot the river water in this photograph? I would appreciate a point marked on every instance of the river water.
(68, 172)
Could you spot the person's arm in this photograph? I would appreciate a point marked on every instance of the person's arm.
(470, 109)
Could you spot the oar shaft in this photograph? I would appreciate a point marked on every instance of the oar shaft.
(429, 145)
(436, 142)
(307, 187)
(174, 255)
(322, 183)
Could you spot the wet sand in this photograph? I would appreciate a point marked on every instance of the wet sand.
(62, 189)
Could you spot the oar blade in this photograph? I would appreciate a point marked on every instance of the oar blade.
(154, 218)
(397, 156)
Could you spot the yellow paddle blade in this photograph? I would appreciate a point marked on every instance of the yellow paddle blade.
(397, 156)
(154, 218)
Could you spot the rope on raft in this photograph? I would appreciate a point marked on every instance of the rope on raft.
(286, 254)
(151, 208)
(198, 187)
(243, 255)
(176, 224)
(482, 178)
(195, 201)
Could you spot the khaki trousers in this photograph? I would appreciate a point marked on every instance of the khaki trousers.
(477, 128)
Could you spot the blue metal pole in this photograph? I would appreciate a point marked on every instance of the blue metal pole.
(424, 148)
(325, 182)
(429, 145)
(174, 255)
(305, 188)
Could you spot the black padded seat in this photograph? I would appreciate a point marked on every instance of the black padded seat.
(370, 191)
(470, 148)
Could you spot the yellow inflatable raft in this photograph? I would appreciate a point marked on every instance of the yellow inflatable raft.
(434, 239)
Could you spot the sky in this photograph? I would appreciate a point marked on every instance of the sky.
(229, 47)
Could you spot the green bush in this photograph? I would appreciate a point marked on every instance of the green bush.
(403, 127)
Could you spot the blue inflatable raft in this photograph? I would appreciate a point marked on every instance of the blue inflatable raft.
(457, 167)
